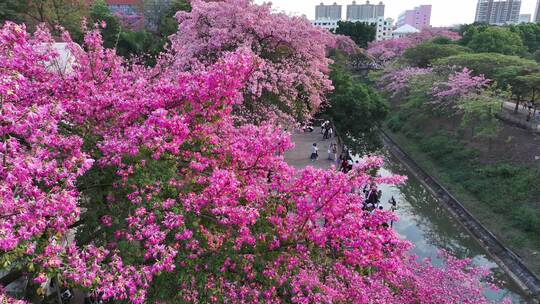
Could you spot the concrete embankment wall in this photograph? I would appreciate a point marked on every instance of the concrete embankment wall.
(505, 257)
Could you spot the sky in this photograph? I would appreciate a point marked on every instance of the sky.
(444, 12)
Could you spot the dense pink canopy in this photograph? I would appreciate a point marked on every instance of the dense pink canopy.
(195, 196)
(291, 74)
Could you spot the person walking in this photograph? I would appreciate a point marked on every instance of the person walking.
(334, 151)
(314, 152)
(393, 208)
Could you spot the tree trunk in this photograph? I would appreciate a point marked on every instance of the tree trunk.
(10, 277)
(517, 104)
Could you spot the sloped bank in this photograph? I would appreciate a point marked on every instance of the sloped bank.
(506, 259)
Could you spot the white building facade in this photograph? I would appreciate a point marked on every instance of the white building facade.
(329, 24)
(383, 27)
(328, 16)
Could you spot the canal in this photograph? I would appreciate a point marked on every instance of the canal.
(430, 227)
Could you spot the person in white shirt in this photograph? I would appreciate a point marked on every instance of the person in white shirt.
(314, 152)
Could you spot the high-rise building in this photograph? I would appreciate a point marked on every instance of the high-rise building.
(498, 12)
(364, 11)
(537, 13)
(328, 12)
(419, 17)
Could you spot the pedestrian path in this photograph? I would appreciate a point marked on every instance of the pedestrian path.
(299, 156)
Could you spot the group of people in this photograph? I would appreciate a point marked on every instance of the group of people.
(326, 130)
(332, 156)
(372, 195)
(346, 162)
(372, 198)
(372, 201)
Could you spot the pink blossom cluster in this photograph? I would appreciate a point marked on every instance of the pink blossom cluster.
(346, 45)
(459, 84)
(197, 197)
(388, 50)
(40, 162)
(396, 81)
(292, 69)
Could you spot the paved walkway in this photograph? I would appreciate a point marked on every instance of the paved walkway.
(520, 118)
(299, 156)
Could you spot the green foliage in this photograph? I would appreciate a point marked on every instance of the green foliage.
(162, 18)
(468, 31)
(11, 11)
(536, 56)
(102, 197)
(360, 32)
(424, 54)
(497, 40)
(99, 11)
(502, 188)
(531, 82)
(487, 64)
(141, 43)
(442, 40)
(66, 13)
(480, 110)
(356, 110)
(529, 33)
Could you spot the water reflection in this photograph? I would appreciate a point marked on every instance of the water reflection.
(424, 222)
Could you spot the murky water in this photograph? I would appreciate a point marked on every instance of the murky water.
(424, 222)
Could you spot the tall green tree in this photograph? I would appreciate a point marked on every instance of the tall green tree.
(468, 31)
(530, 35)
(356, 110)
(11, 11)
(480, 113)
(532, 83)
(424, 54)
(142, 43)
(487, 64)
(66, 13)
(497, 40)
(360, 32)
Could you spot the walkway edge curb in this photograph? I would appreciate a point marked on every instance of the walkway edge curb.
(506, 258)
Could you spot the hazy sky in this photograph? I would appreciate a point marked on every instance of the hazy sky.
(444, 12)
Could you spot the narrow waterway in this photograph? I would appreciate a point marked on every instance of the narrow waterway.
(425, 223)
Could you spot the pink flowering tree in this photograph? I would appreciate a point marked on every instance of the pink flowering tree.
(458, 85)
(40, 160)
(389, 50)
(396, 82)
(291, 76)
(171, 200)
